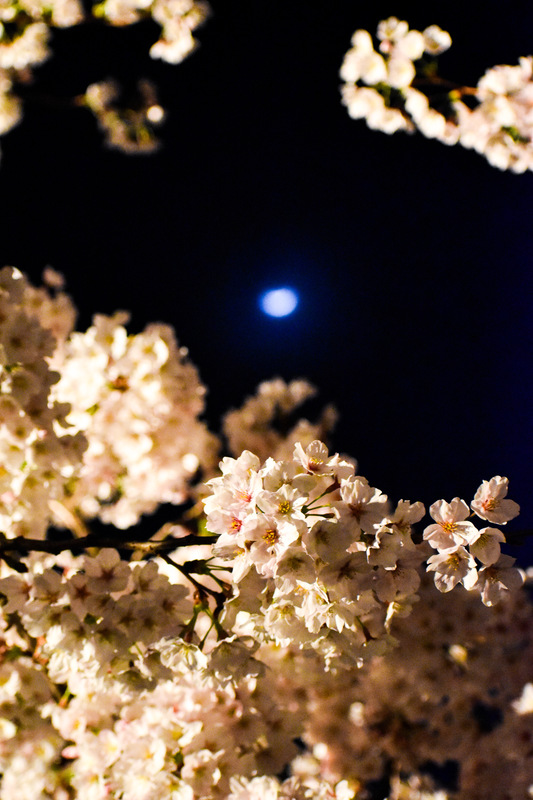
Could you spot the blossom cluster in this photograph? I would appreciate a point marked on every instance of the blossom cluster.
(396, 87)
(24, 35)
(270, 788)
(142, 714)
(38, 456)
(320, 560)
(105, 424)
(282, 640)
(137, 399)
(263, 423)
(446, 714)
(130, 130)
(459, 543)
(177, 19)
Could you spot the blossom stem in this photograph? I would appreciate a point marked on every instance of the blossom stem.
(436, 80)
(186, 570)
(329, 489)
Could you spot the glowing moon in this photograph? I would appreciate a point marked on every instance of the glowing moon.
(279, 302)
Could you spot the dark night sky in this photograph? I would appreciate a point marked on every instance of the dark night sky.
(413, 259)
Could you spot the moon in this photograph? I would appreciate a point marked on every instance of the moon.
(279, 302)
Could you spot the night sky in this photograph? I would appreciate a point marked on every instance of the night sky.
(412, 259)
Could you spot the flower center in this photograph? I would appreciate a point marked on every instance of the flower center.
(490, 504)
(453, 561)
(271, 536)
(449, 527)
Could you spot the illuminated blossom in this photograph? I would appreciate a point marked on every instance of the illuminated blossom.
(451, 530)
(392, 90)
(491, 502)
(288, 628)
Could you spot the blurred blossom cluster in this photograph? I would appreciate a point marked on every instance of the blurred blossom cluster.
(280, 636)
(24, 36)
(397, 87)
(177, 19)
(39, 456)
(263, 423)
(447, 713)
(126, 128)
(394, 85)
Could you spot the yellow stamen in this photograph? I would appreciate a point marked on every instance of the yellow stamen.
(271, 536)
(449, 527)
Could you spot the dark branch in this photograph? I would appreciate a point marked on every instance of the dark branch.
(21, 545)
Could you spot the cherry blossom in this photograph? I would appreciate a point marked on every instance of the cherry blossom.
(285, 625)
(452, 566)
(451, 530)
(491, 502)
(497, 578)
(391, 88)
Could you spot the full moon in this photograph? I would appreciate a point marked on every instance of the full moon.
(279, 302)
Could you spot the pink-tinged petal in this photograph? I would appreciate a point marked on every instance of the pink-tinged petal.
(459, 509)
(443, 512)
(440, 539)
(490, 501)
(470, 579)
(495, 580)
(438, 510)
(448, 535)
(486, 546)
(453, 567)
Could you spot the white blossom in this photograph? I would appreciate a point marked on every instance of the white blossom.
(306, 639)
(491, 502)
(499, 124)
